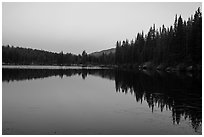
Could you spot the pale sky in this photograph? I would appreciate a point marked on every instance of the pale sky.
(74, 27)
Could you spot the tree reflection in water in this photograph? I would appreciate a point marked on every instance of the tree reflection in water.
(182, 94)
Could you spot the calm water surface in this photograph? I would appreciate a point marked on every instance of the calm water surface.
(100, 101)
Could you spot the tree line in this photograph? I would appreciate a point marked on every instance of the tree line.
(180, 43)
(28, 56)
(177, 45)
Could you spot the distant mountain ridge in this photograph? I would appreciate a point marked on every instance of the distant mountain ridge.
(100, 53)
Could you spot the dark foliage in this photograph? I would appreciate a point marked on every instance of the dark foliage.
(181, 43)
(27, 56)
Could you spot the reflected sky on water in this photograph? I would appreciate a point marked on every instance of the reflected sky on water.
(100, 101)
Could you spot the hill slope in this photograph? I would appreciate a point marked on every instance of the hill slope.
(100, 53)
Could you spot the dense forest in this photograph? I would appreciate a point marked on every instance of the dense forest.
(27, 56)
(177, 46)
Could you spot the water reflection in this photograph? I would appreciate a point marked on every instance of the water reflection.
(29, 74)
(179, 93)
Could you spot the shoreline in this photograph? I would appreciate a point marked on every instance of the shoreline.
(146, 66)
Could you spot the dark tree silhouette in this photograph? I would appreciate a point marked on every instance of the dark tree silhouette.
(179, 45)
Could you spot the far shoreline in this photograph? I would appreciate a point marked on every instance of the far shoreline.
(35, 66)
(125, 67)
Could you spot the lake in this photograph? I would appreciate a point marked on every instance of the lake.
(100, 101)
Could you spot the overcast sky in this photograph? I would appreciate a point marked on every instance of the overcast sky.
(74, 27)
